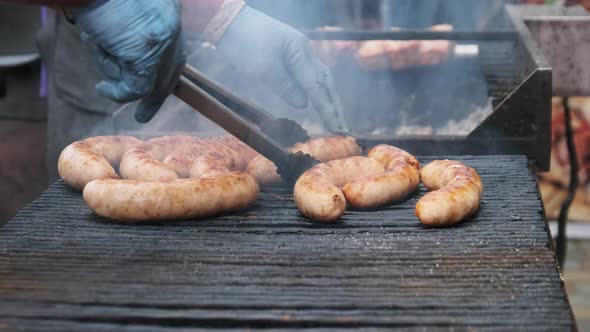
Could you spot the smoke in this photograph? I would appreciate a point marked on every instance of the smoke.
(447, 97)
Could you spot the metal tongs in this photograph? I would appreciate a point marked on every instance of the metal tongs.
(249, 123)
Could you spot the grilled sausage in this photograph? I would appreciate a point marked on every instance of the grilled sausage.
(329, 148)
(456, 192)
(229, 154)
(139, 164)
(211, 164)
(401, 177)
(140, 201)
(398, 55)
(263, 170)
(323, 149)
(317, 192)
(182, 159)
(93, 158)
(172, 157)
(163, 146)
(146, 161)
(240, 153)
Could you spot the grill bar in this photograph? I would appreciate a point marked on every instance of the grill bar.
(411, 35)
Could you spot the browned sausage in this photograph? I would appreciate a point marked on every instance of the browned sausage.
(240, 153)
(145, 161)
(456, 193)
(211, 164)
(228, 154)
(317, 192)
(138, 201)
(182, 159)
(93, 158)
(401, 177)
(323, 149)
(163, 146)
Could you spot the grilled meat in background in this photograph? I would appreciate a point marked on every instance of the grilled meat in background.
(554, 183)
(399, 87)
(385, 54)
(426, 97)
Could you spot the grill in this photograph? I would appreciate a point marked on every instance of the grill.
(62, 268)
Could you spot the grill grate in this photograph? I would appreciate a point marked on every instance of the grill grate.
(61, 268)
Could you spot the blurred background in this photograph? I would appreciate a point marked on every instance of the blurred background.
(407, 87)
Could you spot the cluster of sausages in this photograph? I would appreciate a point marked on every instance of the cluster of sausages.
(183, 177)
(387, 175)
(152, 184)
(175, 177)
(323, 150)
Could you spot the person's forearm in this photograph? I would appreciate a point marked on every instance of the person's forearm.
(208, 18)
(59, 3)
(197, 13)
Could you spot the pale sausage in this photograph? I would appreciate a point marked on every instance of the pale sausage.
(93, 158)
(263, 170)
(139, 164)
(140, 201)
(401, 177)
(398, 55)
(323, 149)
(317, 192)
(211, 164)
(456, 192)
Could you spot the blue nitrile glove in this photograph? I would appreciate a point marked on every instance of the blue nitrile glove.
(138, 47)
(283, 58)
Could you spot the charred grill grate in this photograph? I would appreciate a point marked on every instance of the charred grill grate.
(62, 268)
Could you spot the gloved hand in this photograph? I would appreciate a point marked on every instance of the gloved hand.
(282, 57)
(138, 47)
